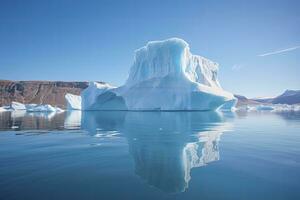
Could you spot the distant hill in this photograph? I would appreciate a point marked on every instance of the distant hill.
(288, 97)
(242, 100)
(39, 92)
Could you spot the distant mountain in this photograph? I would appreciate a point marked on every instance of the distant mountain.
(263, 99)
(288, 97)
(242, 100)
(39, 92)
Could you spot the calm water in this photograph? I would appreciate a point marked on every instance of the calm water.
(149, 155)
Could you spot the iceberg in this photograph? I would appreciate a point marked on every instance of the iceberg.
(3, 109)
(17, 106)
(42, 108)
(270, 108)
(73, 102)
(165, 75)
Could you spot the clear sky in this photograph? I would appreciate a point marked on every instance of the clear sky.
(256, 43)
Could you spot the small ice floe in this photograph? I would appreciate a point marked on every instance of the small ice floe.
(42, 108)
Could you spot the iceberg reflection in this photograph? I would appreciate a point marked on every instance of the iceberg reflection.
(22, 120)
(165, 146)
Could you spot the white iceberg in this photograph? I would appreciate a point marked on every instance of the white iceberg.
(3, 109)
(164, 76)
(270, 108)
(17, 106)
(264, 107)
(73, 102)
(42, 108)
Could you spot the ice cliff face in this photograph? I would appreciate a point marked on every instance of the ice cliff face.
(164, 76)
(172, 57)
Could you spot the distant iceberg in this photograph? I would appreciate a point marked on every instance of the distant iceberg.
(270, 108)
(164, 76)
(42, 108)
(17, 106)
(73, 102)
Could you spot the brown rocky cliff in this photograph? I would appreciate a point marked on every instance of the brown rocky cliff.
(39, 92)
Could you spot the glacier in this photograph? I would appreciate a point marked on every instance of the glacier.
(165, 75)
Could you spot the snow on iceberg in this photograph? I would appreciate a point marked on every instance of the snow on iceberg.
(164, 76)
(73, 102)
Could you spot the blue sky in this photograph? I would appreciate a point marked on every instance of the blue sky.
(95, 40)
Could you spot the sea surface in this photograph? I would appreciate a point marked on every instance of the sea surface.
(149, 155)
